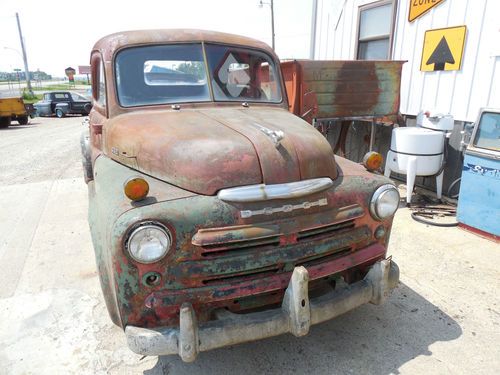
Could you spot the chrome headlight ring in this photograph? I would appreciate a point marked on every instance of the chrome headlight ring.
(148, 242)
(384, 202)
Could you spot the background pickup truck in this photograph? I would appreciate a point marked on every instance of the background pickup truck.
(62, 103)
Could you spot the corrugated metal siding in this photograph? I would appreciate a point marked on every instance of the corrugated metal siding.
(460, 93)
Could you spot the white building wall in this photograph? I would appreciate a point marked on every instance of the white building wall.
(460, 93)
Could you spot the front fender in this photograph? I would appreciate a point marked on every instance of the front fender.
(107, 202)
(63, 106)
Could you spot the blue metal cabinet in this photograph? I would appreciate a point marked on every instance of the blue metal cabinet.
(479, 199)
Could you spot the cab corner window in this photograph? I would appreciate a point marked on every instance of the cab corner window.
(375, 31)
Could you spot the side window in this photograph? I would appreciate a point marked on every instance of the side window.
(375, 26)
(61, 96)
(98, 80)
(101, 94)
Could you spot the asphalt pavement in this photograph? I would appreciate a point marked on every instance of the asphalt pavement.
(444, 317)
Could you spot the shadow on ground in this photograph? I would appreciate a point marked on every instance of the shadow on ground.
(370, 339)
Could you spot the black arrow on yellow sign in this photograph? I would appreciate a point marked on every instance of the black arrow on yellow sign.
(441, 55)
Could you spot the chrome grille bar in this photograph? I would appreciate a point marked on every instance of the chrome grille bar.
(262, 192)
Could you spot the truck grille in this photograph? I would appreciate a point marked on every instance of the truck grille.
(239, 246)
(324, 231)
(236, 254)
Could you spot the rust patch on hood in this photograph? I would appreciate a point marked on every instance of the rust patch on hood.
(183, 148)
(205, 150)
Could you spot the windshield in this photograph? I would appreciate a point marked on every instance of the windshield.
(78, 98)
(161, 75)
(169, 74)
(240, 74)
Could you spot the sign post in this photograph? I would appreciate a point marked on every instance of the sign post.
(70, 73)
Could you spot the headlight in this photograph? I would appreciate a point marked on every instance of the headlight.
(385, 202)
(149, 243)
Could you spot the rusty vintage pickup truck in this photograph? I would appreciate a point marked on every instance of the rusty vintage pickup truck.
(217, 216)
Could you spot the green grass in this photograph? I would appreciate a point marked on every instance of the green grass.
(35, 98)
(30, 98)
(56, 87)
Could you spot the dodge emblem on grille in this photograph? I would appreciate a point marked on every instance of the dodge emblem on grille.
(286, 208)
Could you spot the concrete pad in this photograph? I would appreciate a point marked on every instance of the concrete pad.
(444, 317)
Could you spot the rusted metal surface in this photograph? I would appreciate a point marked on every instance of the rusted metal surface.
(300, 308)
(340, 89)
(231, 149)
(212, 274)
(219, 257)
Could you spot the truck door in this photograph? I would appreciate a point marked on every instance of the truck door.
(98, 114)
(60, 97)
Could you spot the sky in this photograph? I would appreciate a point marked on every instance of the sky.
(59, 34)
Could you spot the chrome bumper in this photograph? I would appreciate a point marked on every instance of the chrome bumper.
(296, 315)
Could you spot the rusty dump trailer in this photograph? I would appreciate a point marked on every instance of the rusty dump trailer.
(13, 109)
(217, 215)
(350, 89)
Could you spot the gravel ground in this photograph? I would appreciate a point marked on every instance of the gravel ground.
(443, 318)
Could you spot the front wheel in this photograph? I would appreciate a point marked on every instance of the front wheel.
(22, 120)
(59, 113)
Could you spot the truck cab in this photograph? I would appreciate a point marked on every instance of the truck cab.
(217, 216)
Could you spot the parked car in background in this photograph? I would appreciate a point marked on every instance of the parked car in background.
(62, 103)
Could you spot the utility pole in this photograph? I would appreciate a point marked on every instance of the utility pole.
(271, 4)
(272, 22)
(313, 29)
(25, 59)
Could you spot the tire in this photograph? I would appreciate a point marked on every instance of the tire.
(59, 113)
(87, 109)
(4, 122)
(88, 174)
(22, 120)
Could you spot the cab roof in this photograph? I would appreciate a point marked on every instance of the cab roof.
(110, 44)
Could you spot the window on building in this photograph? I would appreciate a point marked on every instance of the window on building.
(375, 31)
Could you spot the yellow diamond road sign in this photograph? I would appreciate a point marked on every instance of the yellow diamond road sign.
(443, 49)
(419, 7)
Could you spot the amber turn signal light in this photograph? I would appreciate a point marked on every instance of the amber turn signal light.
(372, 160)
(136, 188)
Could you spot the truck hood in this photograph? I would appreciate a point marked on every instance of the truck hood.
(205, 150)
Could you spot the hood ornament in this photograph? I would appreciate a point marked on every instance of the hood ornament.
(275, 135)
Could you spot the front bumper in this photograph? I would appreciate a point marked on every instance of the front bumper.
(296, 315)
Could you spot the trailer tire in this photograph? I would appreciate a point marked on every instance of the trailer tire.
(22, 120)
(4, 122)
